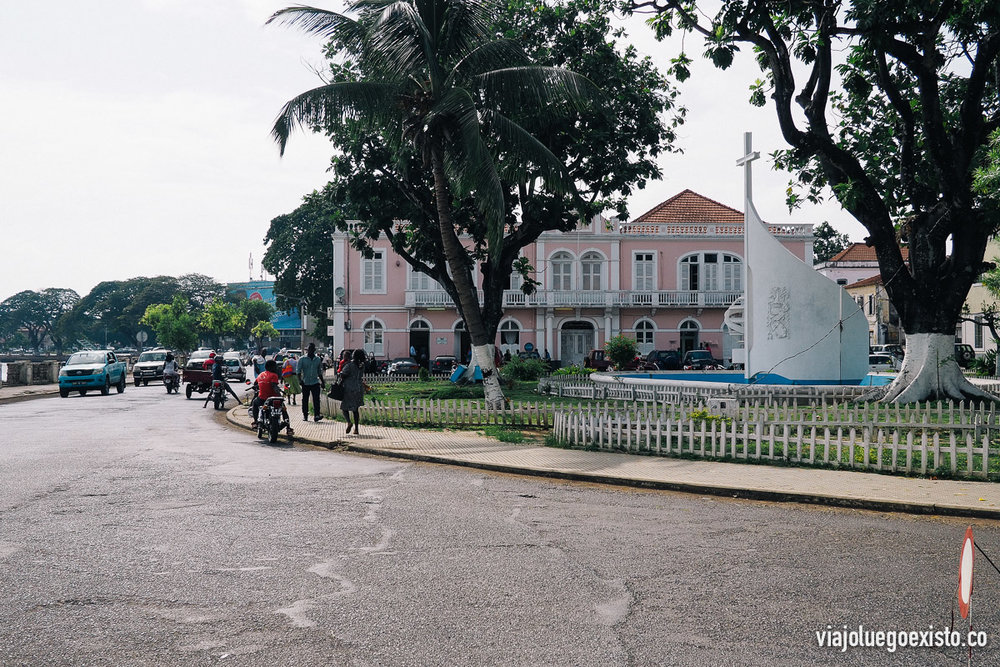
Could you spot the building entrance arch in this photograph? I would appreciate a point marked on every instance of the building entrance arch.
(689, 336)
(420, 342)
(576, 339)
(463, 343)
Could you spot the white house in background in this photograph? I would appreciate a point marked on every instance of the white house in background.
(977, 334)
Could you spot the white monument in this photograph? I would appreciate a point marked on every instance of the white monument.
(797, 323)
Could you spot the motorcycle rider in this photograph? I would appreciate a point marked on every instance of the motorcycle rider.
(268, 385)
(219, 373)
(170, 369)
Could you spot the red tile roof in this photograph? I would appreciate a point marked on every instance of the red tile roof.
(859, 252)
(874, 280)
(689, 206)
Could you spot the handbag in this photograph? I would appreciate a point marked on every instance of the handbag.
(336, 391)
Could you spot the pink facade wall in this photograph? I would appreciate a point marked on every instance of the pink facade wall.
(674, 315)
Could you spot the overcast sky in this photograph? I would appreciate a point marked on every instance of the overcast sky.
(134, 139)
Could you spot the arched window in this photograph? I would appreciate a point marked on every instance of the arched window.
(591, 265)
(562, 272)
(711, 272)
(374, 338)
(510, 337)
(644, 331)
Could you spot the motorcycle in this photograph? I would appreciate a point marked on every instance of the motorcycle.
(271, 417)
(172, 383)
(217, 395)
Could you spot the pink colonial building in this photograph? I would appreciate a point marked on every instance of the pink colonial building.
(664, 279)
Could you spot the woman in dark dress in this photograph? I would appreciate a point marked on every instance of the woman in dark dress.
(354, 389)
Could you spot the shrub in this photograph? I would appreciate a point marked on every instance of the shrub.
(523, 369)
(573, 370)
(504, 434)
(424, 375)
(621, 350)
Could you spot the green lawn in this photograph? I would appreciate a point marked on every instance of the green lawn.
(520, 391)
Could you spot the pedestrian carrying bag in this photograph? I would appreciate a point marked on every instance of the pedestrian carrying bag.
(336, 391)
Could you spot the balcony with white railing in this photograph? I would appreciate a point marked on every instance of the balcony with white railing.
(587, 299)
(432, 298)
(620, 299)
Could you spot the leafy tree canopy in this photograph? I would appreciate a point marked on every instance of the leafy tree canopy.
(175, 326)
(827, 242)
(382, 187)
(890, 105)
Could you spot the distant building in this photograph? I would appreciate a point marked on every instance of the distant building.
(854, 263)
(664, 279)
(883, 320)
(287, 322)
(976, 333)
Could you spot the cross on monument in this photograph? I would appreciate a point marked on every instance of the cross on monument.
(749, 155)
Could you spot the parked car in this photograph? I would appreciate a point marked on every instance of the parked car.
(95, 369)
(598, 360)
(403, 366)
(964, 354)
(700, 360)
(444, 363)
(661, 360)
(149, 367)
(893, 349)
(882, 363)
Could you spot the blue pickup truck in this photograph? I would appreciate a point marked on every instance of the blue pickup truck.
(92, 369)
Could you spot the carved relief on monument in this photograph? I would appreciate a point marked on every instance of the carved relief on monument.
(777, 313)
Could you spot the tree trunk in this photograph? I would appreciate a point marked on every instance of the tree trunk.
(465, 286)
(930, 372)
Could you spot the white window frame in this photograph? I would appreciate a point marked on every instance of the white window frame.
(420, 281)
(647, 328)
(510, 326)
(592, 259)
(375, 269)
(566, 282)
(651, 280)
(725, 274)
(375, 331)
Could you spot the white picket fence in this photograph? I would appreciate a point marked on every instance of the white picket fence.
(443, 413)
(687, 392)
(943, 439)
(381, 378)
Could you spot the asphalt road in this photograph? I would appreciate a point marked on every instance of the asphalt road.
(136, 529)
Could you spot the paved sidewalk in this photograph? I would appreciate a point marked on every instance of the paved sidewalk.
(23, 392)
(809, 485)
(830, 487)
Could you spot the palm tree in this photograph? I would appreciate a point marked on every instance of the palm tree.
(436, 77)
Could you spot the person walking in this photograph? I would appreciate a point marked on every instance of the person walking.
(289, 373)
(354, 389)
(311, 377)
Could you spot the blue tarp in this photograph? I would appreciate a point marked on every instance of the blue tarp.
(477, 375)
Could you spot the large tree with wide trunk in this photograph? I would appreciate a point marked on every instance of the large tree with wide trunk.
(436, 77)
(890, 104)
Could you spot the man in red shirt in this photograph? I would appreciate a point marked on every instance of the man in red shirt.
(268, 385)
(209, 362)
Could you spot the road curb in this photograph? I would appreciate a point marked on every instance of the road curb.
(769, 495)
(28, 396)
